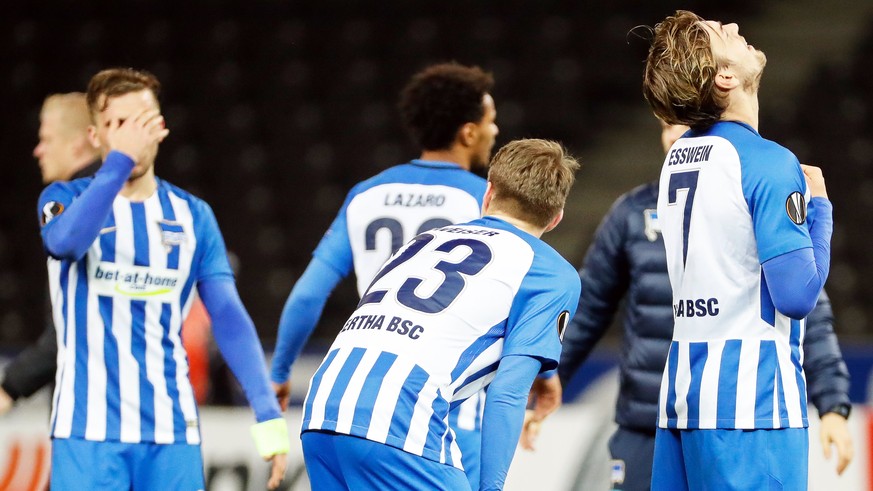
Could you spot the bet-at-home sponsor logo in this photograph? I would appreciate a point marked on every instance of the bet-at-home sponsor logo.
(110, 279)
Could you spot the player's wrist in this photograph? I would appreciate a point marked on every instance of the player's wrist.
(841, 409)
(271, 437)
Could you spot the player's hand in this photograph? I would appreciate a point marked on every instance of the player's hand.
(815, 181)
(283, 393)
(271, 440)
(280, 463)
(835, 431)
(138, 135)
(545, 396)
(530, 431)
(6, 402)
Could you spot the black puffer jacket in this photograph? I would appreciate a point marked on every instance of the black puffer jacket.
(627, 261)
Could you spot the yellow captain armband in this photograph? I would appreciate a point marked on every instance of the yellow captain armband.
(271, 437)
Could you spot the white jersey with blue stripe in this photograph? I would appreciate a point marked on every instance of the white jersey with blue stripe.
(729, 201)
(386, 211)
(122, 370)
(431, 329)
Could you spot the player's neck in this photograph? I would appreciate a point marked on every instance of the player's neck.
(140, 188)
(520, 224)
(742, 107)
(453, 155)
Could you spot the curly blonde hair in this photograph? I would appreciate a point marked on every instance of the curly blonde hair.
(679, 80)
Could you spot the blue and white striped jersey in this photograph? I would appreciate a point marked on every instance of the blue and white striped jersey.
(122, 370)
(729, 201)
(431, 330)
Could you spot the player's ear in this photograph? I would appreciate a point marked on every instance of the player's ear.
(726, 79)
(486, 200)
(92, 137)
(555, 221)
(467, 134)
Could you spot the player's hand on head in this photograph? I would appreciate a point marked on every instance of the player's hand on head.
(835, 431)
(283, 393)
(137, 135)
(815, 181)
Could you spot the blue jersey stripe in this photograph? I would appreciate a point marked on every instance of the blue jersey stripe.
(768, 310)
(437, 427)
(146, 390)
(316, 384)
(780, 391)
(672, 363)
(64, 279)
(370, 390)
(170, 369)
(113, 369)
(794, 341)
(331, 411)
(697, 353)
(765, 389)
(406, 405)
(140, 235)
(80, 387)
(726, 412)
(477, 347)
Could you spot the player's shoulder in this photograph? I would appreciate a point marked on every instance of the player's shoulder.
(196, 204)
(638, 198)
(424, 173)
(752, 148)
(74, 187)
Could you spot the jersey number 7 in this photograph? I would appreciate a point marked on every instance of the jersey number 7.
(683, 180)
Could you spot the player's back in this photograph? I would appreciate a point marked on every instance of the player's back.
(389, 209)
(722, 211)
(430, 331)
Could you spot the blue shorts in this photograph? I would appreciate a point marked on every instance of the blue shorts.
(717, 460)
(343, 462)
(83, 464)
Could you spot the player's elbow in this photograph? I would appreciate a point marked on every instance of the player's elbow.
(795, 307)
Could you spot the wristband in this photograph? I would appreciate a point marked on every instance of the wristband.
(271, 437)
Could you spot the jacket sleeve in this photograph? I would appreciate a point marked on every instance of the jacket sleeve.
(826, 373)
(33, 368)
(605, 276)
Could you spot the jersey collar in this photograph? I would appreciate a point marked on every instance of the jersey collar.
(435, 164)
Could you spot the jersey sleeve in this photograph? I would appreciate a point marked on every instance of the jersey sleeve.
(774, 188)
(211, 251)
(54, 200)
(334, 247)
(540, 312)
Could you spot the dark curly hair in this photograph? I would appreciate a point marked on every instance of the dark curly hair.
(440, 99)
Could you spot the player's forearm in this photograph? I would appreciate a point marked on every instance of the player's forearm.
(33, 368)
(503, 417)
(300, 315)
(70, 234)
(238, 342)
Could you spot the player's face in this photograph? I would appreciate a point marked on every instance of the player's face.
(56, 150)
(118, 109)
(731, 48)
(486, 134)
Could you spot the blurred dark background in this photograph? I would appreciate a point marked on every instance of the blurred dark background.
(277, 108)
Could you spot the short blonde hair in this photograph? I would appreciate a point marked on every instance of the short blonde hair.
(531, 178)
(72, 109)
(679, 80)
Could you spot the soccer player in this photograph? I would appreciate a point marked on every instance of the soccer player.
(64, 152)
(454, 310)
(747, 261)
(126, 251)
(449, 112)
(627, 261)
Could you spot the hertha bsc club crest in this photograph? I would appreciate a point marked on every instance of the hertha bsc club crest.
(795, 206)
